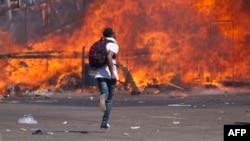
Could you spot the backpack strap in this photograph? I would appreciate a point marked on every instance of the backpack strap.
(109, 41)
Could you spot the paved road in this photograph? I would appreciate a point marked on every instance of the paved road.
(162, 117)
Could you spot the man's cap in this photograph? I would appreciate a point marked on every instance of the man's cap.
(108, 32)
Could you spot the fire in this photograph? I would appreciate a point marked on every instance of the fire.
(199, 40)
(202, 41)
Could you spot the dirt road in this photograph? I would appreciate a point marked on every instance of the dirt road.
(162, 117)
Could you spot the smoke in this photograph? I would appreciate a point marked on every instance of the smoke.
(246, 6)
(32, 21)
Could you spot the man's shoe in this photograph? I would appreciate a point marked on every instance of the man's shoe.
(105, 126)
(102, 103)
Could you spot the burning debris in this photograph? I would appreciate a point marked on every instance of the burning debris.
(12, 91)
(129, 83)
(201, 48)
(66, 82)
(22, 89)
(70, 82)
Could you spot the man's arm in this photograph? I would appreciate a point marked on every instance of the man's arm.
(110, 64)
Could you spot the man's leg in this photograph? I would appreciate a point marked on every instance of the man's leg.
(103, 87)
(107, 89)
(109, 100)
(104, 90)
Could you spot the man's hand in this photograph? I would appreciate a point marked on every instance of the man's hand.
(113, 77)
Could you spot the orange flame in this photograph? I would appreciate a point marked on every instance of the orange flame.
(203, 41)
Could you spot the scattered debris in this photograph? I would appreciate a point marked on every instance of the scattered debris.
(46, 93)
(176, 94)
(27, 119)
(135, 127)
(12, 91)
(129, 81)
(91, 98)
(176, 122)
(40, 132)
(70, 81)
(65, 122)
(168, 117)
(180, 105)
(175, 86)
(23, 129)
(126, 134)
(44, 101)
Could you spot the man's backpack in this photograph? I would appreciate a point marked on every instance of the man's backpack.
(98, 53)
